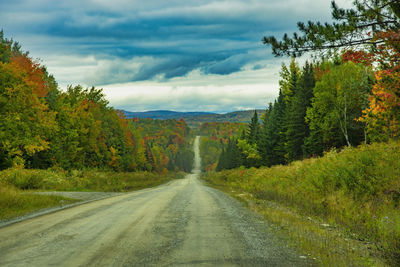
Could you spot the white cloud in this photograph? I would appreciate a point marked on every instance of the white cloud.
(247, 89)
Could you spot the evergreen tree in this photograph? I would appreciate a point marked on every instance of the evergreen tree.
(230, 156)
(272, 137)
(280, 134)
(264, 147)
(297, 129)
(253, 130)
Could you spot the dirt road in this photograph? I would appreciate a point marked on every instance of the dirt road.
(181, 223)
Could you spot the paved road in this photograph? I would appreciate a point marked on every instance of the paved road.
(181, 223)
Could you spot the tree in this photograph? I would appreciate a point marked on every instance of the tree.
(272, 138)
(296, 128)
(26, 122)
(289, 79)
(253, 130)
(383, 114)
(339, 98)
(230, 157)
(351, 27)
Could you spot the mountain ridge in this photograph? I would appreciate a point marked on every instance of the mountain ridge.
(194, 119)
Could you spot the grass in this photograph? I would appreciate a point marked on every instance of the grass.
(355, 193)
(15, 202)
(17, 186)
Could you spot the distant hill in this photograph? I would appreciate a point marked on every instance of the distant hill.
(194, 119)
(164, 114)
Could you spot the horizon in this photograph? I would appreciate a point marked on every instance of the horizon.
(207, 112)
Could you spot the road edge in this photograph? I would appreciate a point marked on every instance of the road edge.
(45, 211)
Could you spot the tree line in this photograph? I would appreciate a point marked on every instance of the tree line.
(349, 96)
(214, 135)
(44, 127)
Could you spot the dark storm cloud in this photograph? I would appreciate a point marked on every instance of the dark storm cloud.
(147, 40)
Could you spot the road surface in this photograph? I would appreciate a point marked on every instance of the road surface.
(182, 223)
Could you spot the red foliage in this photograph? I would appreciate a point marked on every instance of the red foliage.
(358, 57)
(319, 72)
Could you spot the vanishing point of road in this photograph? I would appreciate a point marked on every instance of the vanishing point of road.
(181, 223)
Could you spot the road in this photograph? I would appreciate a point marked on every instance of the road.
(180, 223)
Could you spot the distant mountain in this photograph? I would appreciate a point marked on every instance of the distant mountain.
(194, 119)
(164, 114)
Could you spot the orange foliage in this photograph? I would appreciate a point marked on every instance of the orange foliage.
(383, 113)
(32, 73)
(384, 103)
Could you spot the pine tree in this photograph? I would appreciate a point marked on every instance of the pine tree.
(297, 129)
(280, 135)
(264, 147)
(253, 130)
(272, 138)
(350, 27)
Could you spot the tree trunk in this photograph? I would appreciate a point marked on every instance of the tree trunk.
(343, 126)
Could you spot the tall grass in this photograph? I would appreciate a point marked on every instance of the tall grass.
(356, 188)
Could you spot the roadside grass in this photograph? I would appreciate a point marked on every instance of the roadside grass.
(18, 186)
(343, 208)
(15, 202)
(84, 180)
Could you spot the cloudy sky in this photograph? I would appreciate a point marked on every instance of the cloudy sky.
(187, 55)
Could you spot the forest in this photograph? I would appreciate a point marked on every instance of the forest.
(43, 127)
(214, 136)
(350, 98)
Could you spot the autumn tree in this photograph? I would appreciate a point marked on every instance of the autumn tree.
(26, 122)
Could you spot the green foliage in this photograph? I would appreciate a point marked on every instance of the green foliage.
(297, 129)
(318, 108)
(210, 150)
(339, 98)
(253, 130)
(273, 137)
(231, 156)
